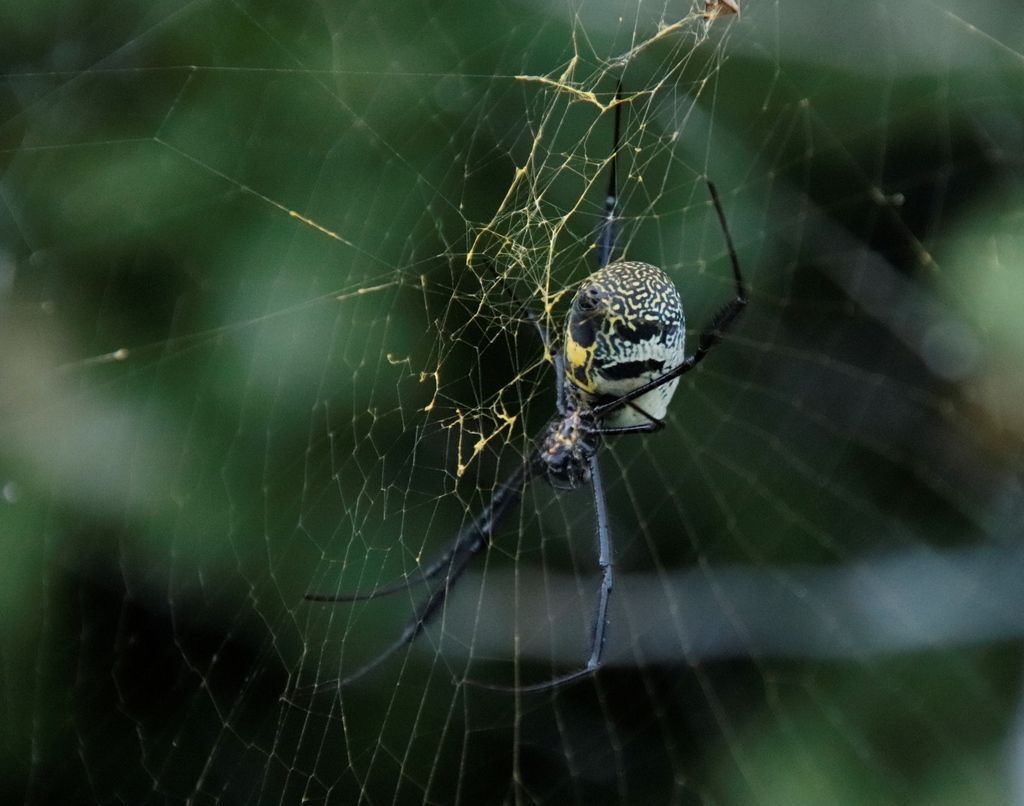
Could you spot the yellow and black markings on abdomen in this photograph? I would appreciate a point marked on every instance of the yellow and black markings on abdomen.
(624, 329)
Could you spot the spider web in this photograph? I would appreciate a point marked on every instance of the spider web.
(265, 274)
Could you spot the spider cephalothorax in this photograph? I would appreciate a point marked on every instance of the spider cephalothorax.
(565, 450)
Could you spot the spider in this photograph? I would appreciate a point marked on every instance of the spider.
(619, 364)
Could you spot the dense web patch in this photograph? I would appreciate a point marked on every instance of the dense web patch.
(266, 277)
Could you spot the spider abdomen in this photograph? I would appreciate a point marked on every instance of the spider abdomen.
(625, 328)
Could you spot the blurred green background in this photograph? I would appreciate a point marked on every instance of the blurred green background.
(243, 356)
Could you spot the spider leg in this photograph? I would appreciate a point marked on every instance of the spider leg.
(600, 633)
(504, 497)
(713, 330)
(640, 428)
(607, 233)
(435, 569)
(473, 539)
(722, 321)
(409, 634)
(430, 608)
(653, 424)
(604, 559)
(561, 385)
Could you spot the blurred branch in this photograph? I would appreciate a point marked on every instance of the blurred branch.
(911, 600)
